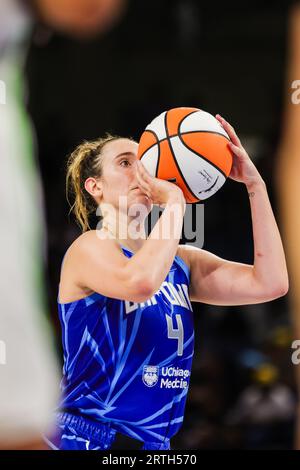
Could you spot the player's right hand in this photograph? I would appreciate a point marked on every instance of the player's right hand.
(158, 190)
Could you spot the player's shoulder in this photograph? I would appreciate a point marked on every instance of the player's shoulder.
(187, 252)
(197, 258)
(93, 243)
(183, 253)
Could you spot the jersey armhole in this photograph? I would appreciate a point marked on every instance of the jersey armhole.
(89, 299)
(184, 266)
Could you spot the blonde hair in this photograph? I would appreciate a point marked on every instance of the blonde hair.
(85, 162)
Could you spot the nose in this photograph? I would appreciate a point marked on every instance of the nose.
(134, 183)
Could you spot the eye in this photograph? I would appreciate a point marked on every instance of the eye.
(123, 161)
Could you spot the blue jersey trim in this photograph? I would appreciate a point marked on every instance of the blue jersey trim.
(184, 266)
(89, 299)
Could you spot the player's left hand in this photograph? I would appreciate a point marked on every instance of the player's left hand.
(243, 169)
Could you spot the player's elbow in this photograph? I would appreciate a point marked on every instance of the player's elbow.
(140, 286)
(277, 289)
(135, 283)
(143, 290)
(282, 289)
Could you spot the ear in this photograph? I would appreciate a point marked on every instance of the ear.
(94, 187)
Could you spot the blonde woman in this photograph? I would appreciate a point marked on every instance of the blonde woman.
(125, 298)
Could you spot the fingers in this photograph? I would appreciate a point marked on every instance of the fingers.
(143, 186)
(143, 171)
(238, 151)
(143, 177)
(229, 129)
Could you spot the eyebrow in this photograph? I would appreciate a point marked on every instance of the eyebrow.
(124, 153)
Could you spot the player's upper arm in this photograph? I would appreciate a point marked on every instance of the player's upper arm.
(100, 265)
(217, 281)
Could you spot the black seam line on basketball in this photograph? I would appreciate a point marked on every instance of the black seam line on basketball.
(208, 189)
(199, 155)
(174, 157)
(158, 160)
(184, 133)
(205, 132)
(156, 143)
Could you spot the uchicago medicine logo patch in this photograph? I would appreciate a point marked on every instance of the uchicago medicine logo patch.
(150, 375)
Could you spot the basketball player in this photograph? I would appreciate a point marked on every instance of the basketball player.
(125, 299)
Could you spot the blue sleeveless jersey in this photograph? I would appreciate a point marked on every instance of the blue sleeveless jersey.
(127, 363)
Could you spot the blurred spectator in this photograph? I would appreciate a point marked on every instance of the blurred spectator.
(82, 18)
(265, 401)
(265, 409)
(28, 375)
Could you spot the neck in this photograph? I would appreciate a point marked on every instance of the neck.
(129, 232)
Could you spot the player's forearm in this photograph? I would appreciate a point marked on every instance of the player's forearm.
(155, 258)
(269, 259)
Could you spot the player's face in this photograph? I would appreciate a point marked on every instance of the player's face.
(119, 178)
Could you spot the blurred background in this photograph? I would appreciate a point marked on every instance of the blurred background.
(229, 58)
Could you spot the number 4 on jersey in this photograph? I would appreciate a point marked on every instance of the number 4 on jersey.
(176, 333)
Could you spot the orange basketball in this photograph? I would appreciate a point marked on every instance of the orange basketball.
(189, 147)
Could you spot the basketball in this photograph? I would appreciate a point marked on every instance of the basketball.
(189, 147)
